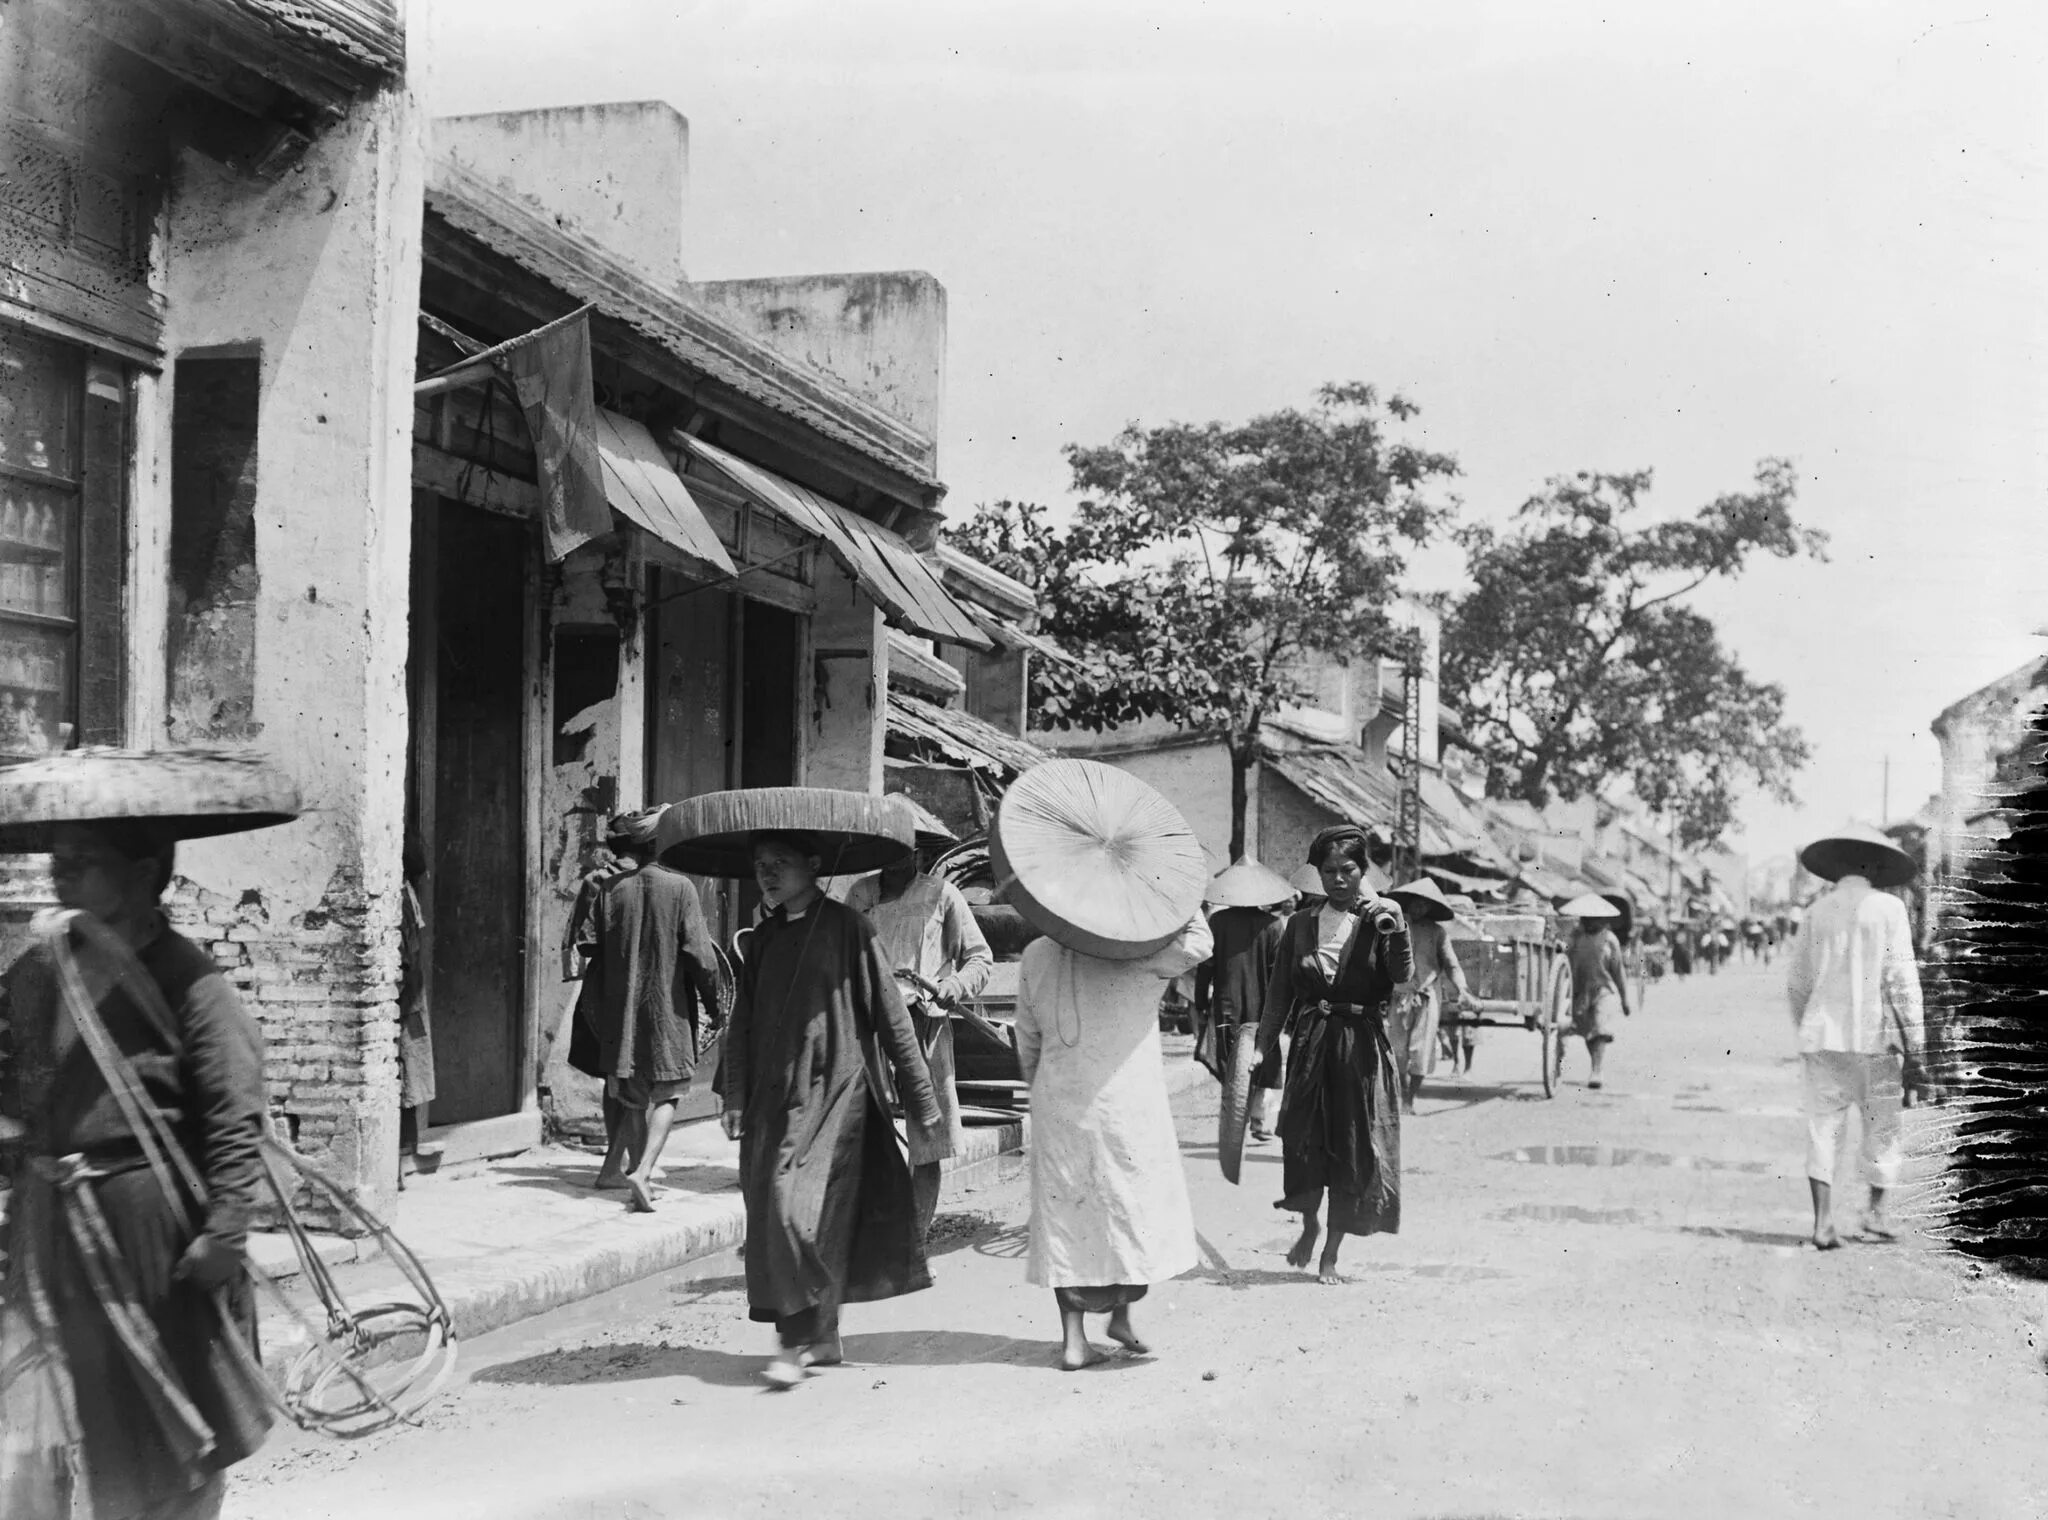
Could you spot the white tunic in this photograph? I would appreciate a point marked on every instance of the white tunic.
(1109, 1202)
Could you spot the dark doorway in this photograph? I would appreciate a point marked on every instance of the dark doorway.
(468, 676)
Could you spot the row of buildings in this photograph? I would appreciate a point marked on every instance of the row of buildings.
(237, 507)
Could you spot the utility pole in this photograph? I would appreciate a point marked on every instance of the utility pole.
(1407, 861)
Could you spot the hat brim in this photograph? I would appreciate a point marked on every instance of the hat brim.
(1882, 865)
(1592, 905)
(1426, 905)
(713, 835)
(184, 794)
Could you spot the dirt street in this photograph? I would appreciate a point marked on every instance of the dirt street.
(1599, 1305)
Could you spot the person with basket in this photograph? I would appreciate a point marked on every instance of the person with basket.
(130, 1321)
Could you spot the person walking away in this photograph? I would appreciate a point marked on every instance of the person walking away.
(654, 984)
(1854, 993)
(140, 1286)
(831, 1212)
(1418, 1001)
(1230, 986)
(927, 932)
(1340, 1123)
(1109, 1201)
(1599, 981)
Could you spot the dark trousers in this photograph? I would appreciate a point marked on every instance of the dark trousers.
(809, 1327)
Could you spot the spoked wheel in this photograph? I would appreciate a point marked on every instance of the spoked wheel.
(1552, 1020)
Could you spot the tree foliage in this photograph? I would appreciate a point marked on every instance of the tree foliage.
(1205, 562)
(1576, 666)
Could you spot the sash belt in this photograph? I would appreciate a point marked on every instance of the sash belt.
(1351, 1010)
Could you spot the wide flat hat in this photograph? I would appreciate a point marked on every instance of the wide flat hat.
(1425, 895)
(854, 832)
(1592, 905)
(1248, 884)
(1856, 849)
(927, 829)
(1096, 859)
(186, 793)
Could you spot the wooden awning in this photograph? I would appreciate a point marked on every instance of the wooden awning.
(643, 487)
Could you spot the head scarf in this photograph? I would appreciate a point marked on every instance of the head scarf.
(1333, 834)
(633, 831)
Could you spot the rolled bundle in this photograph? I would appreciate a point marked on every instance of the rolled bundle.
(853, 832)
(1097, 859)
(184, 793)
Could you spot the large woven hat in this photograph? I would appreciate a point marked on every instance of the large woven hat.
(1423, 896)
(1307, 880)
(187, 793)
(1097, 859)
(1248, 885)
(1592, 905)
(927, 829)
(713, 835)
(1856, 849)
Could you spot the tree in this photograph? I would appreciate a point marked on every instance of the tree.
(1206, 562)
(1576, 666)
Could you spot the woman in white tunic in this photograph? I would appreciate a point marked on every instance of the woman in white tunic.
(1109, 1204)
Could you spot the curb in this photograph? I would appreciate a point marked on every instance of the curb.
(489, 1294)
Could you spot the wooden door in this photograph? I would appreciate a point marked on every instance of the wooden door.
(469, 657)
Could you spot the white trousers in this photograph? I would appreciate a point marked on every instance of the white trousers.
(1837, 1081)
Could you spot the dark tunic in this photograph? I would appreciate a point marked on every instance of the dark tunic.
(206, 1078)
(830, 1213)
(1340, 1120)
(653, 971)
(1230, 987)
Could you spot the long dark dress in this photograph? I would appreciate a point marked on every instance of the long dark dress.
(830, 1213)
(1230, 987)
(206, 1078)
(1340, 1116)
(654, 978)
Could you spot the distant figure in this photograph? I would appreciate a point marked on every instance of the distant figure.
(1599, 982)
(1109, 1200)
(1436, 973)
(1854, 992)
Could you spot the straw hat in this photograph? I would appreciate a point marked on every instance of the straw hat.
(1249, 885)
(183, 793)
(853, 832)
(1307, 881)
(1856, 849)
(1097, 859)
(1423, 895)
(929, 831)
(1592, 905)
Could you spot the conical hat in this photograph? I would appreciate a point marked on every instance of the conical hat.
(1307, 880)
(1424, 895)
(1856, 849)
(188, 793)
(1248, 885)
(1592, 905)
(1097, 859)
(713, 835)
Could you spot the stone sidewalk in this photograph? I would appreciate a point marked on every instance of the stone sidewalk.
(518, 1237)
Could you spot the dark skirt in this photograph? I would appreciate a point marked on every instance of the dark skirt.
(1340, 1123)
(1103, 1300)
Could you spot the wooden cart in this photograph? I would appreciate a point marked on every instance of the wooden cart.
(1515, 965)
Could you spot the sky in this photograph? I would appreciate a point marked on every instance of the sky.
(1578, 236)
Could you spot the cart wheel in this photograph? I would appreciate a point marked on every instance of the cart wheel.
(1551, 1021)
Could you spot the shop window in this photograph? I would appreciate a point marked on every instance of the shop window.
(212, 634)
(63, 449)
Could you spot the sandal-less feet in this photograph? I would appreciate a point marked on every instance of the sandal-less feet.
(1877, 1227)
(1298, 1255)
(1121, 1332)
(642, 1201)
(610, 1183)
(1089, 1358)
(1828, 1242)
(830, 1353)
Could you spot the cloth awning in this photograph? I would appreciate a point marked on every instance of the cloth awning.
(643, 487)
(1471, 886)
(886, 567)
(1548, 883)
(960, 736)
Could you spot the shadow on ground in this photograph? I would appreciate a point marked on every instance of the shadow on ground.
(1747, 1237)
(576, 1183)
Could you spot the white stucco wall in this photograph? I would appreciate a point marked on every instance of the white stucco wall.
(845, 684)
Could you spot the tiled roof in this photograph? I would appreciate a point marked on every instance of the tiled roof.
(960, 736)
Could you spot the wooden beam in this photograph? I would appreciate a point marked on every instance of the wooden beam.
(464, 480)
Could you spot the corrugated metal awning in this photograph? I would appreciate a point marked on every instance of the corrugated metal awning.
(960, 736)
(888, 569)
(642, 486)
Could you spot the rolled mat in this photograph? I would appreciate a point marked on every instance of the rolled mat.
(1097, 859)
(1237, 1098)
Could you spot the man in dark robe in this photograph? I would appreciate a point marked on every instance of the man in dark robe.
(831, 1212)
(654, 988)
(164, 1408)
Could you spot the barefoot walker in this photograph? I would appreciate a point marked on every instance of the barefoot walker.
(1340, 1121)
(1599, 980)
(1113, 875)
(1855, 996)
(830, 1214)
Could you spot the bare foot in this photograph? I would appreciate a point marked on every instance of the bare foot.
(1877, 1227)
(1073, 1359)
(830, 1353)
(643, 1196)
(1121, 1332)
(1306, 1246)
(610, 1182)
(1825, 1238)
(1327, 1273)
